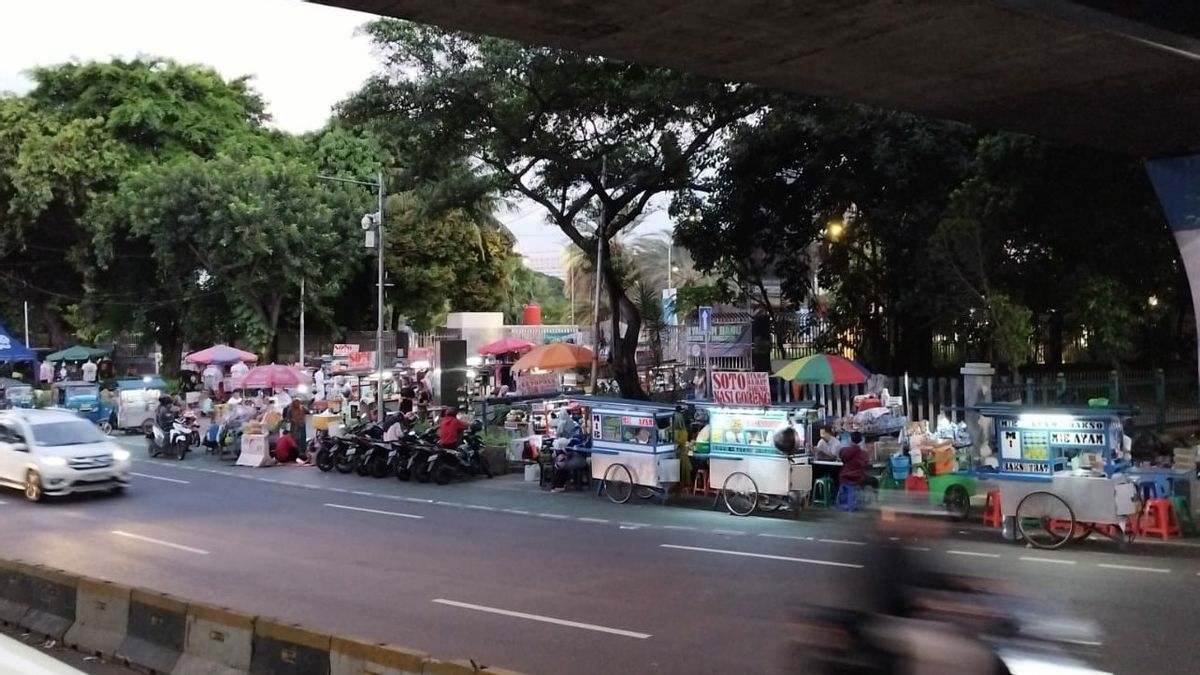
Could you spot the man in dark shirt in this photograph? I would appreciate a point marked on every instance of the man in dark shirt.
(854, 462)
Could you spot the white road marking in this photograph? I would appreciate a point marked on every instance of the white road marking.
(793, 537)
(376, 511)
(149, 540)
(362, 493)
(519, 512)
(684, 528)
(842, 541)
(556, 516)
(601, 521)
(418, 500)
(2, 503)
(1052, 561)
(448, 503)
(480, 507)
(1135, 568)
(923, 549)
(166, 480)
(784, 558)
(728, 532)
(544, 619)
(974, 554)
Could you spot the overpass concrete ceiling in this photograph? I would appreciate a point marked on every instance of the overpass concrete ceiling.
(1063, 69)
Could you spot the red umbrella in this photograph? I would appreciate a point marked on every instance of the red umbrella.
(272, 377)
(222, 355)
(506, 345)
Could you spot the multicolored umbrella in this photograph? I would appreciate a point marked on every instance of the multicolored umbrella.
(507, 345)
(221, 355)
(824, 369)
(555, 356)
(273, 377)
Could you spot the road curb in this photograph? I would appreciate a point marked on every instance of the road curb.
(164, 634)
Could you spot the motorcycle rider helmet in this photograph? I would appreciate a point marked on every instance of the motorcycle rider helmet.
(476, 426)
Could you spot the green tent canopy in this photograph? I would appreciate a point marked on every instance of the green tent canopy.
(77, 353)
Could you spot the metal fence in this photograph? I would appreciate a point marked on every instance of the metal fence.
(924, 397)
(1161, 398)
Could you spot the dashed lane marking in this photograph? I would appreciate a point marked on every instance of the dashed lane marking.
(974, 554)
(1135, 568)
(375, 511)
(160, 542)
(1051, 561)
(747, 554)
(165, 480)
(543, 619)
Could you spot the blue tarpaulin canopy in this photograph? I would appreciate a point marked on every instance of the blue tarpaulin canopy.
(12, 350)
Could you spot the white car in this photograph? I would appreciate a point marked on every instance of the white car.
(54, 453)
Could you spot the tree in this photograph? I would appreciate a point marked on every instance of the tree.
(564, 130)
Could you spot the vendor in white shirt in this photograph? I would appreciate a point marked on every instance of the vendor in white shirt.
(827, 448)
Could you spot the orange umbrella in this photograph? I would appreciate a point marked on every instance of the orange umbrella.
(554, 356)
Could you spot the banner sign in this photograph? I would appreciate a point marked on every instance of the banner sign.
(532, 384)
(360, 361)
(345, 349)
(741, 388)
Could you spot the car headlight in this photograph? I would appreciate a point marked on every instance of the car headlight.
(120, 455)
(54, 461)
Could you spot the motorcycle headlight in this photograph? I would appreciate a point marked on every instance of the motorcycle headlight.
(121, 455)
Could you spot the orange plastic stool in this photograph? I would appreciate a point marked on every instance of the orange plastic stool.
(700, 484)
(991, 510)
(1161, 519)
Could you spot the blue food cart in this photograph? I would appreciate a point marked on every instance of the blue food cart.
(633, 447)
(1061, 473)
(82, 398)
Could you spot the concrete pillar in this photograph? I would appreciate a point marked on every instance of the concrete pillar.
(977, 389)
(1176, 180)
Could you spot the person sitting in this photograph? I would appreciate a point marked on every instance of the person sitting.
(854, 463)
(828, 447)
(286, 449)
(450, 429)
(568, 455)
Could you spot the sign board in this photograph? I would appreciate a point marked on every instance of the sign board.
(344, 349)
(705, 317)
(532, 384)
(734, 388)
(417, 354)
(1041, 443)
(362, 361)
(637, 421)
(746, 432)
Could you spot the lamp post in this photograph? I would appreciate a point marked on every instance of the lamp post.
(374, 221)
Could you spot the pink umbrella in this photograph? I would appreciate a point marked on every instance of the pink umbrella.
(506, 345)
(221, 355)
(273, 377)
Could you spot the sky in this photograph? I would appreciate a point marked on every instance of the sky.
(303, 58)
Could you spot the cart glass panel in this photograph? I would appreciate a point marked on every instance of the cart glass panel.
(748, 431)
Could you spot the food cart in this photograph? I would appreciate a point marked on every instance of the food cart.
(135, 403)
(82, 398)
(633, 446)
(18, 393)
(744, 465)
(1061, 473)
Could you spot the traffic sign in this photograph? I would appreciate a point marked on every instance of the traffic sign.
(705, 317)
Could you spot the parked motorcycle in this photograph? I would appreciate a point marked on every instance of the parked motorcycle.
(464, 461)
(175, 441)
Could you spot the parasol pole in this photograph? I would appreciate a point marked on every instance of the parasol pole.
(302, 323)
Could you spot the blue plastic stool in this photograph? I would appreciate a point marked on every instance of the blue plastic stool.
(847, 498)
(822, 492)
(1156, 487)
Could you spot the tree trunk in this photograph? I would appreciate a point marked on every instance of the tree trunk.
(623, 347)
(54, 328)
(167, 337)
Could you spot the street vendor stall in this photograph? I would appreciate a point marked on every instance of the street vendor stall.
(633, 446)
(17, 393)
(745, 465)
(1062, 474)
(135, 404)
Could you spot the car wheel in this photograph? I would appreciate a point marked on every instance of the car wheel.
(33, 487)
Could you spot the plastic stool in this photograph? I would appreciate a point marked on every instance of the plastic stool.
(1161, 519)
(822, 491)
(847, 498)
(700, 484)
(991, 510)
(1183, 510)
(916, 484)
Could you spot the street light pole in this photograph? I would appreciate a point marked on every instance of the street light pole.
(376, 220)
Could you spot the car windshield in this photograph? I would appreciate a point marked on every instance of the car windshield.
(57, 434)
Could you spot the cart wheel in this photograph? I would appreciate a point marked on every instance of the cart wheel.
(618, 483)
(1045, 520)
(740, 493)
(958, 502)
(644, 492)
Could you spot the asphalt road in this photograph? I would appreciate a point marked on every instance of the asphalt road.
(506, 574)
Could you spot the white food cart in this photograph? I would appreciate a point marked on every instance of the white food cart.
(744, 465)
(633, 448)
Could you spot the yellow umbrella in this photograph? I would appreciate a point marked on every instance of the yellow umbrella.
(555, 356)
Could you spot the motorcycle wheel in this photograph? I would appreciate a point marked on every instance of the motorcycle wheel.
(325, 460)
(181, 448)
(153, 449)
(360, 466)
(421, 472)
(403, 472)
(343, 464)
(442, 474)
(379, 467)
(483, 465)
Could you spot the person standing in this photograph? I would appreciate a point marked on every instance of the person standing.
(680, 426)
(238, 373)
(46, 374)
(89, 371)
(298, 417)
(211, 377)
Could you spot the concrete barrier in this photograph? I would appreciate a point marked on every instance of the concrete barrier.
(354, 656)
(282, 648)
(436, 667)
(101, 617)
(14, 591)
(51, 602)
(219, 642)
(156, 633)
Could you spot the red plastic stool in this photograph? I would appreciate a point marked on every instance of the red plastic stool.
(991, 510)
(916, 484)
(1160, 518)
(700, 483)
